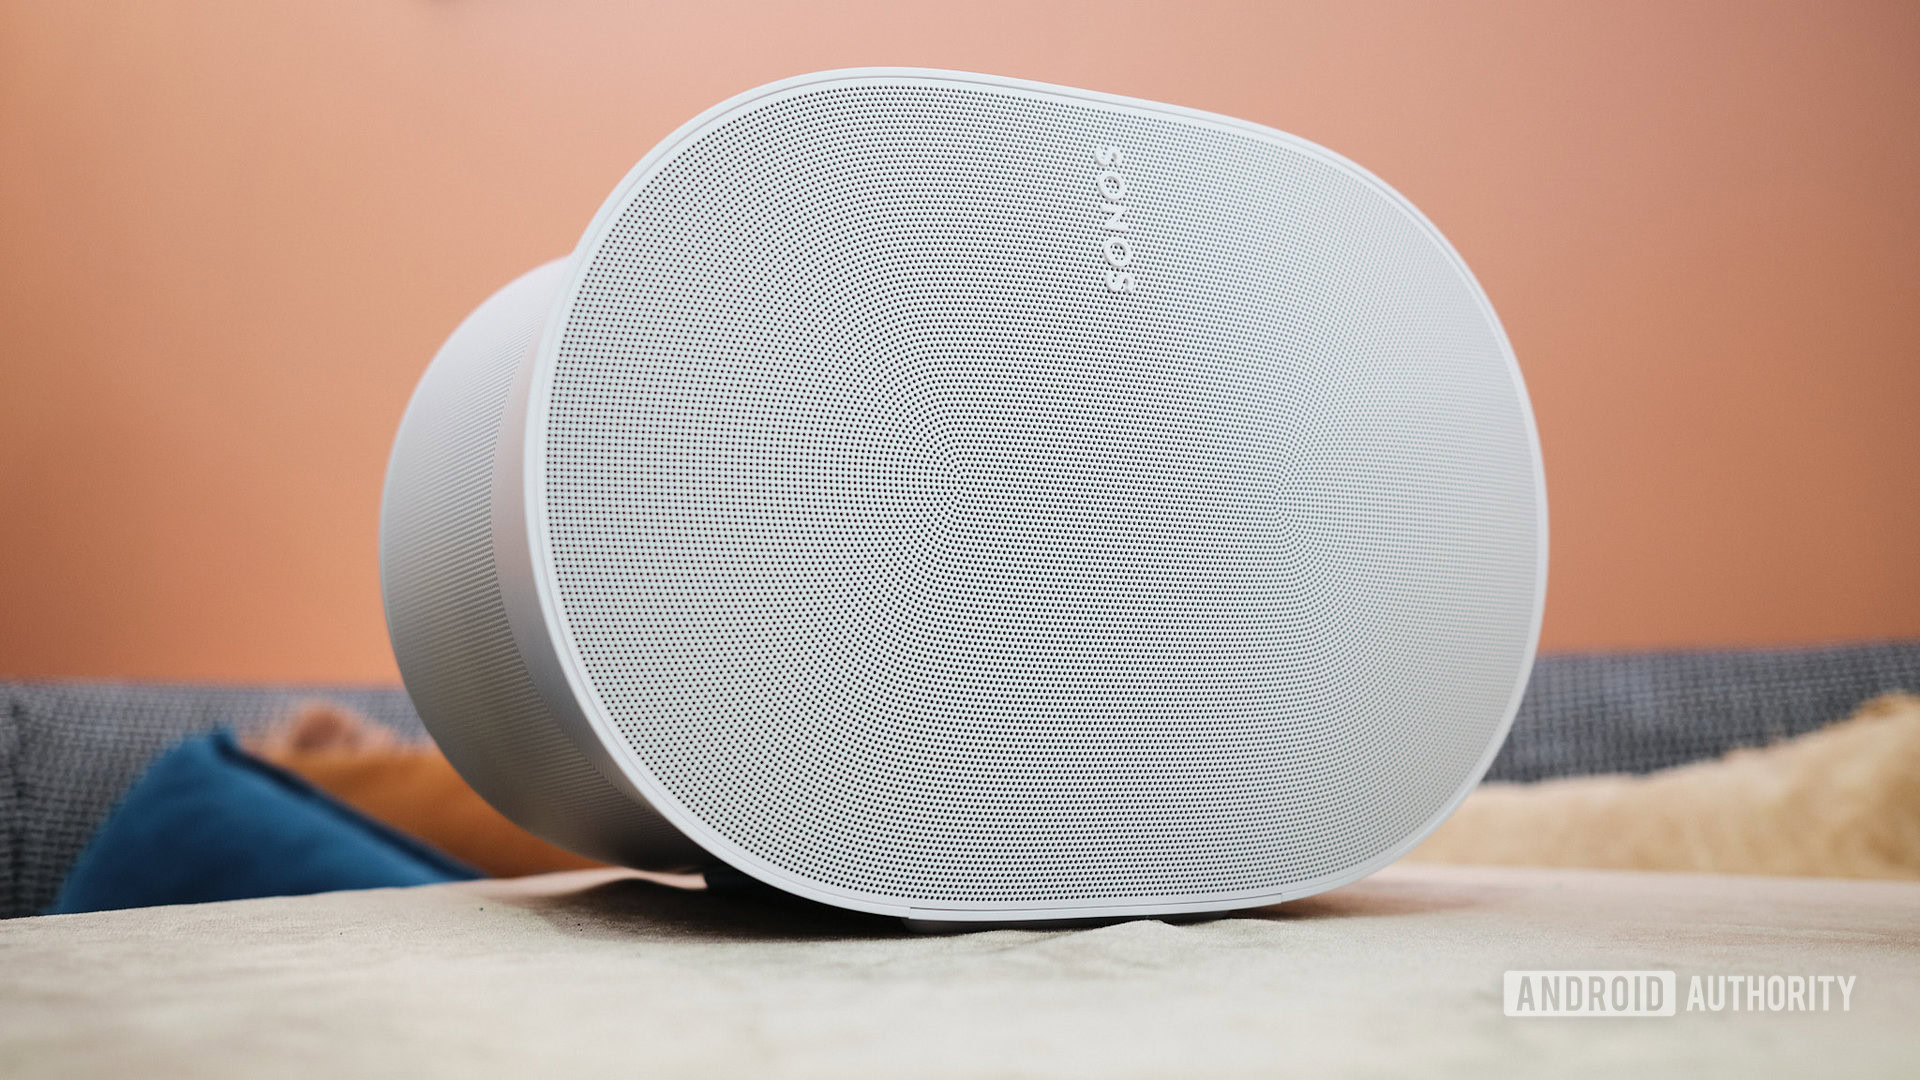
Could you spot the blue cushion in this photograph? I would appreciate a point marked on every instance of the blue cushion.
(208, 821)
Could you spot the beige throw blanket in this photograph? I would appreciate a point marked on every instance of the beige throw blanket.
(1843, 801)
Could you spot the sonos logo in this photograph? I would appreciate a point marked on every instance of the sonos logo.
(1116, 243)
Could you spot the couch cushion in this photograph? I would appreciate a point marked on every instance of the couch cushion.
(1590, 713)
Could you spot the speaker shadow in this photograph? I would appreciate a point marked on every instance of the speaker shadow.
(626, 908)
(629, 908)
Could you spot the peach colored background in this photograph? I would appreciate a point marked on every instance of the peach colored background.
(232, 234)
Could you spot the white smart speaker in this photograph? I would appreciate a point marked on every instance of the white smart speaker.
(976, 501)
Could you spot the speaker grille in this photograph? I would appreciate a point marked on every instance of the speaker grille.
(913, 559)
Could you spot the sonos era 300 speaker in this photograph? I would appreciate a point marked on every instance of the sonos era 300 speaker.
(976, 501)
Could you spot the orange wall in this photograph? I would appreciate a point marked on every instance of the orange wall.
(232, 234)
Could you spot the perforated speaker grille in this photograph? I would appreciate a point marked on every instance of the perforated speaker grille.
(913, 559)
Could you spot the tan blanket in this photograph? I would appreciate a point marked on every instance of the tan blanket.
(1843, 801)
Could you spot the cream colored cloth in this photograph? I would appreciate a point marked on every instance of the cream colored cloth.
(602, 974)
(1843, 801)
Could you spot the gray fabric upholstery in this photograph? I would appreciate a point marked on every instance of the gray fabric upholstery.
(69, 749)
(1636, 712)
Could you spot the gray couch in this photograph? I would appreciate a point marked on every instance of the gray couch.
(69, 749)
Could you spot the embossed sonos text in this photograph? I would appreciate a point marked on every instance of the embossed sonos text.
(1116, 224)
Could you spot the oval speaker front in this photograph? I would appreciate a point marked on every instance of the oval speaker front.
(977, 501)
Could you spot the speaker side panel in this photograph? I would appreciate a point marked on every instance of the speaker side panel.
(445, 614)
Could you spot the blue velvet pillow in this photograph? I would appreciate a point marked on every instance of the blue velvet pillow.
(209, 821)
